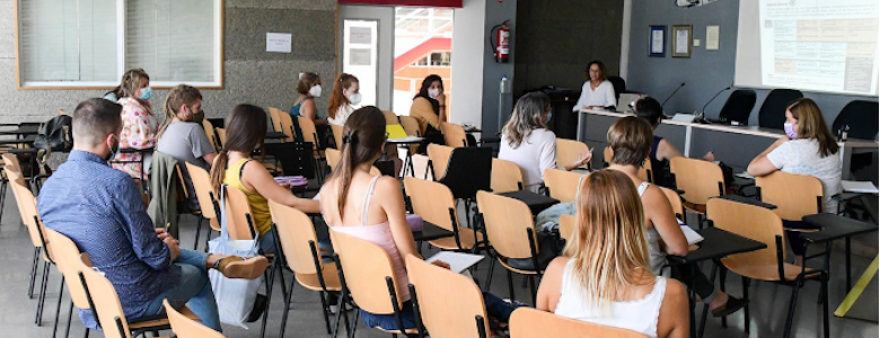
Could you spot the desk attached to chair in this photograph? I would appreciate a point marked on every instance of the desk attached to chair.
(735, 145)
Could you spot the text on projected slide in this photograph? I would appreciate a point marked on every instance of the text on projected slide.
(820, 45)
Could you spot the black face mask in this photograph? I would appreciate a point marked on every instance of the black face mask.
(113, 150)
(198, 118)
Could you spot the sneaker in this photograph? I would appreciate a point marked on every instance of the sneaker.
(260, 304)
(733, 305)
(237, 267)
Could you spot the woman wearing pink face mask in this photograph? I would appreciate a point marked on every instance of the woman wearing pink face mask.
(808, 148)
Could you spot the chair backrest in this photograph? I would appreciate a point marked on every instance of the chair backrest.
(506, 176)
(105, 300)
(184, 327)
(309, 133)
(221, 136)
(606, 155)
(738, 106)
(211, 133)
(569, 151)
(333, 157)
(294, 231)
(453, 135)
(432, 201)
(563, 185)
(448, 302)
(390, 117)
(366, 266)
(507, 221)
(674, 202)
(794, 196)
(68, 263)
(27, 208)
(239, 218)
(527, 322)
(567, 224)
(11, 164)
(700, 180)
(439, 156)
(410, 125)
(772, 113)
(337, 135)
(469, 170)
(619, 85)
(750, 221)
(286, 127)
(861, 117)
(201, 181)
(275, 116)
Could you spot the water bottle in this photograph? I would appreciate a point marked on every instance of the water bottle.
(504, 88)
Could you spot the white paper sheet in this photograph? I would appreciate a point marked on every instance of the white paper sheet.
(361, 56)
(458, 262)
(657, 41)
(864, 187)
(681, 41)
(278, 42)
(692, 236)
(713, 34)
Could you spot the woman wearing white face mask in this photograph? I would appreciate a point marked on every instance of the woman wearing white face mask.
(139, 125)
(429, 105)
(309, 87)
(346, 94)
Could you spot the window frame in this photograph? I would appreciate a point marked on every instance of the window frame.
(219, 57)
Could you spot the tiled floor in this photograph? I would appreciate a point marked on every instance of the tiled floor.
(769, 301)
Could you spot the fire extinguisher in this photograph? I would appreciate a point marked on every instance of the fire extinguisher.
(501, 45)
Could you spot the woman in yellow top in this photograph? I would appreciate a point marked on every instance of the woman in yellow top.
(429, 105)
(247, 131)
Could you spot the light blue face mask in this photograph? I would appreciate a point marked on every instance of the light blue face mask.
(146, 93)
(549, 116)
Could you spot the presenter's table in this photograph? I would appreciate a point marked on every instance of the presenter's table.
(735, 145)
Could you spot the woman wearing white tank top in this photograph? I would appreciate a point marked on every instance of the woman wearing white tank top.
(604, 276)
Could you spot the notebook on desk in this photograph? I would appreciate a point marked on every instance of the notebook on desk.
(692, 236)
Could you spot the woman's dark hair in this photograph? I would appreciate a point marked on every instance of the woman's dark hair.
(603, 75)
(245, 132)
(306, 82)
(362, 139)
(426, 84)
(630, 141)
(649, 109)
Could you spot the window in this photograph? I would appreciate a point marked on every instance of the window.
(91, 43)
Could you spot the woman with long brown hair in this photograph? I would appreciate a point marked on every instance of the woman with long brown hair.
(808, 148)
(604, 275)
(139, 125)
(245, 132)
(346, 94)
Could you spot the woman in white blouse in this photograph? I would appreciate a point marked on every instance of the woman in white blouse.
(346, 95)
(598, 92)
(527, 141)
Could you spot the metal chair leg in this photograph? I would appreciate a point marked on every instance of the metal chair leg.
(34, 265)
(489, 276)
(792, 308)
(42, 299)
(745, 292)
(69, 319)
(723, 281)
(510, 285)
(198, 232)
(825, 329)
(326, 310)
(58, 308)
(286, 309)
(3, 186)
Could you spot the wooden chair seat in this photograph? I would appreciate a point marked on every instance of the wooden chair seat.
(765, 272)
(467, 237)
(517, 270)
(331, 279)
(135, 325)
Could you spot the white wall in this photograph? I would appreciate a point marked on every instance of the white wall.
(468, 43)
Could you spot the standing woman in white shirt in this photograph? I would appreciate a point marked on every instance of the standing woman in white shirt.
(808, 148)
(527, 141)
(598, 92)
(346, 95)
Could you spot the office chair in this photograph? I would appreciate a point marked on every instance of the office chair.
(772, 113)
(738, 107)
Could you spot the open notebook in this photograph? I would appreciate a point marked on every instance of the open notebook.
(692, 236)
(458, 262)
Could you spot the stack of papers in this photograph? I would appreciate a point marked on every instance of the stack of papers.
(692, 236)
(458, 262)
(863, 187)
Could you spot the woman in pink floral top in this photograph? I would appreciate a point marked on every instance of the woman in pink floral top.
(139, 125)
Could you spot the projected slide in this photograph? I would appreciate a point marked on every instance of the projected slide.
(819, 45)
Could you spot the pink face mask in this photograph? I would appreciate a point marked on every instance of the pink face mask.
(789, 130)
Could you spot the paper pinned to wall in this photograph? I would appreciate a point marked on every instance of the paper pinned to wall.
(278, 42)
(360, 56)
(712, 36)
(361, 35)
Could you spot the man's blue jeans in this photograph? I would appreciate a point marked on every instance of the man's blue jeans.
(194, 289)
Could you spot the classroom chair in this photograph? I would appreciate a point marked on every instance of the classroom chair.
(767, 264)
(337, 135)
(275, 118)
(67, 255)
(510, 228)
(506, 176)
(527, 323)
(184, 327)
(438, 160)
(368, 278)
(285, 125)
(699, 181)
(221, 136)
(674, 202)
(107, 309)
(619, 85)
(567, 226)
(861, 117)
(738, 107)
(569, 151)
(310, 135)
(435, 203)
(299, 245)
(410, 125)
(449, 305)
(794, 196)
(334, 156)
(212, 134)
(772, 112)
(562, 185)
(469, 171)
(453, 135)
(208, 202)
(390, 117)
(185, 197)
